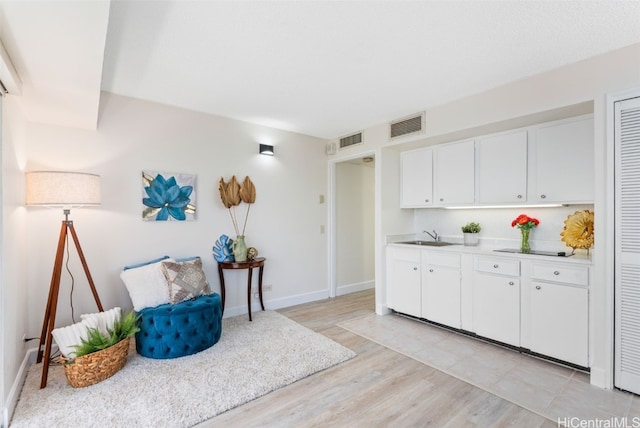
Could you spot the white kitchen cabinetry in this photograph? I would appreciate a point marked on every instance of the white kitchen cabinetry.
(403, 280)
(496, 299)
(561, 162)
(542, 164)
(417, 178)
(441, 287)
(557, 307)
(528, 302)
(501, 168)
(454, 174)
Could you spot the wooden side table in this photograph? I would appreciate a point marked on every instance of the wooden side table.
(250, 265)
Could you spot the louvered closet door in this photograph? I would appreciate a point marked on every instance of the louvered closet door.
(627, 246)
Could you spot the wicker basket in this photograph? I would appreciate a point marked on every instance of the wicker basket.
(97, 366)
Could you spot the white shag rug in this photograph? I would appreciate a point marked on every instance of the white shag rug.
(251, 359)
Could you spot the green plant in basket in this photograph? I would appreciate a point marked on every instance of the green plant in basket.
(96, 341)
(471, 227)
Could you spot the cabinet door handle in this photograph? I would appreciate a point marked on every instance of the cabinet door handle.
(426, 200)
(415, 268)
(511, 282)
(538, 287)
(543, 196)
(519, 196)
(430, 270)
(496, 266)
(555, 272)
(441, 199)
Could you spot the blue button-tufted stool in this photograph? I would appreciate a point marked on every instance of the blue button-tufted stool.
(176, 330)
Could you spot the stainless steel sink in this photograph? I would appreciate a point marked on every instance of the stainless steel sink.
(428, 243)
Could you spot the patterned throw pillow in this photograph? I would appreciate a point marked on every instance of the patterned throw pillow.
(186, 280)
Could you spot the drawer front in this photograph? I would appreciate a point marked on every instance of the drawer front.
(438, 258)
(498, 266)
(405, 254)
(575, 275)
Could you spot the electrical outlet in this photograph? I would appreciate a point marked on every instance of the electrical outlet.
(265, 289)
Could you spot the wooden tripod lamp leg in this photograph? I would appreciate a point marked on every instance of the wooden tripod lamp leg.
(48, 324)
(52, 304)
(84, 265)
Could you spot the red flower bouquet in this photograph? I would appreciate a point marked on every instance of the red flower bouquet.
(525, 224)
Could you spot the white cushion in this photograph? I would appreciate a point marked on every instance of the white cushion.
(146, 285)
(71, 336)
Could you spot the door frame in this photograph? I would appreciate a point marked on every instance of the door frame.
(332, 216)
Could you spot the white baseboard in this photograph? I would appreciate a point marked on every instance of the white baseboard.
(277, 303)
(16, 388)
(352, 288)
(382, 309)
(600, 378)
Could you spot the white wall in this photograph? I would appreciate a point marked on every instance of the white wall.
(517, 104)
(496, 225)
(13, 282)
(355, 191)
(284, 223)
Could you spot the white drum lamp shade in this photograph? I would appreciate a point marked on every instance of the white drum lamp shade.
(62, 189)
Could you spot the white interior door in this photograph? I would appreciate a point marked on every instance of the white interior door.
(627, 244)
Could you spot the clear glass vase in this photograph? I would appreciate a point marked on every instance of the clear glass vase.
(524, 243)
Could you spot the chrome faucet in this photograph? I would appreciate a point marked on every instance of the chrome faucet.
(435, 235)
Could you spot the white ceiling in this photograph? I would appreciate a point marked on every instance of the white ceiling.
(322, 68)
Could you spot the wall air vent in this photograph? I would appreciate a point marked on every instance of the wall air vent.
(409, 125)
(351, 140)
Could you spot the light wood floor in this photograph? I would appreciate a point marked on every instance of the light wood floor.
(377, 388)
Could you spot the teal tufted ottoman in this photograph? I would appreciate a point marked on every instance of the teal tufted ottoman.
(176, 330)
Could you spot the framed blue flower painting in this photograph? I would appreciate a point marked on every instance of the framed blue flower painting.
(167, 196)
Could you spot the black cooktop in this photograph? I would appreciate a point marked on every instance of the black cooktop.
(536, 252)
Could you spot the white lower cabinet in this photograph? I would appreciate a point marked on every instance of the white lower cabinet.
(535, 305)
(496, 299)
(557, 314)
(496, 307)
(424, 284)
(403, 280)
(441, 287)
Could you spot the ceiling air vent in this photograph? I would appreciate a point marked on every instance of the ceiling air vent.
(351, 140)
(410, 125)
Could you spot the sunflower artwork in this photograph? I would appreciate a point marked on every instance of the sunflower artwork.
(578, 230)
(167, 196)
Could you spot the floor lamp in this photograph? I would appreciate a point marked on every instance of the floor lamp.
(64, 190)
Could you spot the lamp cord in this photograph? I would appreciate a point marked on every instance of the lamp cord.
(66, 265)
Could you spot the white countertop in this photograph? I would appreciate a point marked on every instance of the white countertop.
(489, 249)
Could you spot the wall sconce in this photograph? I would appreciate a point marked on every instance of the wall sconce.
(266, 149)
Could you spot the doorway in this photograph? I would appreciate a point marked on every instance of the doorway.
(352, 247)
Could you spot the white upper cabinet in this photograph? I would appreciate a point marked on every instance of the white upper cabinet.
(561, 162)
(549, 163)
(417, 178)
(501, 168)
(454, 174)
